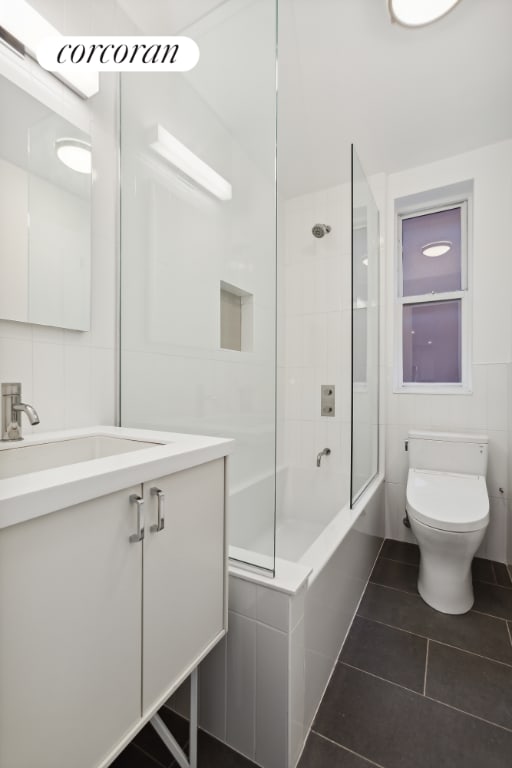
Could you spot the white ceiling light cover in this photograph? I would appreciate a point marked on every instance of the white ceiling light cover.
(75, 154)
(438, 248)
(418, 13)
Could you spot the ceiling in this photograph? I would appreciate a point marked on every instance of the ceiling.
(404, 96)
(346, 74)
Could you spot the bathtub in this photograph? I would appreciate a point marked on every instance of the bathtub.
(260, 688)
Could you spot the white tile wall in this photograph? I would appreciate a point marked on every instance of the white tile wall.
(316, 317)
(241, 684)
(487, 409)
(271, 697)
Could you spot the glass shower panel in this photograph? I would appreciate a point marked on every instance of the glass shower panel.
(365, 331)
(198, 255)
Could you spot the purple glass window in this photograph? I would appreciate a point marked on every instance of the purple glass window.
(432, 342)
(431, 274)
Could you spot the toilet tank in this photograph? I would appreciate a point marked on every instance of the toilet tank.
(448, 452)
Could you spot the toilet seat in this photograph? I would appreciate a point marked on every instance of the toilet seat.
(447, 501)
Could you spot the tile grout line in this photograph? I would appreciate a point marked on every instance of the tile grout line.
(469, 714)
(494, 583)
(342, 746)
(436, 701)
(509, 632)
(417, 594)
(372, 674)
(152, 757)
(426, 667)
(395, 589)
(491, 615)
(441, 642)
(402, 562)
(416, 565)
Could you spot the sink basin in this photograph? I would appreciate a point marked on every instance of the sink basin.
(47, 472)
(23, 458)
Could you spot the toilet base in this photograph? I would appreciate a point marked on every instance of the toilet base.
(445, 581)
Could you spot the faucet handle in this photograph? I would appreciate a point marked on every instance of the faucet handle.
(11, 389)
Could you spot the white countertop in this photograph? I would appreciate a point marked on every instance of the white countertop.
(31, 495)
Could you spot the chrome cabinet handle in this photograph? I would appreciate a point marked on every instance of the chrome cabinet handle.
(160, 495)
(139, 501)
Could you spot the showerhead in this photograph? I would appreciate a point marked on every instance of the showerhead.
(319, 230)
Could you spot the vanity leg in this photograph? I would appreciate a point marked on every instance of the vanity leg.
(169, 740)
(193, 718)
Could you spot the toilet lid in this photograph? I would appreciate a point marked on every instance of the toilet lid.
(448, 501)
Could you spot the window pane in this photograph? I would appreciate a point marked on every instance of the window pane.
(431, 274)
(432, 342)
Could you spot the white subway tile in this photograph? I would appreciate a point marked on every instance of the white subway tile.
(242, 597)
(273, 608)
(497, 396)
(241, 684)
(271, 697)
(48, 386)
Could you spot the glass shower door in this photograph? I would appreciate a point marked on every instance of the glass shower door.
(365, 331)
(198, 255)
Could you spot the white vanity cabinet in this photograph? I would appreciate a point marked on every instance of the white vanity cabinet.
(70, 634)
(98, 625)
(184, 587)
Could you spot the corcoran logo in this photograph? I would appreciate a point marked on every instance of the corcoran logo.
(118, 54)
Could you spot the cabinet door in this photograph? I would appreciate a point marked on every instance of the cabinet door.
(184, 569)
(70, 635)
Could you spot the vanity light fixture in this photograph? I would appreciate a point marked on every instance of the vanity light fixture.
(182, 158)
(439, 248)
(419, 13)
(74, 153)
(27, 26)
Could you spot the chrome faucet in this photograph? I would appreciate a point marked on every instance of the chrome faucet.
(325, 452)
(12, 408)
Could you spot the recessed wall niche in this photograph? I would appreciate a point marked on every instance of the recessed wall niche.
(236, 318)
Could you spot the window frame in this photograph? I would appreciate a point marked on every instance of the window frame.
(464, 295)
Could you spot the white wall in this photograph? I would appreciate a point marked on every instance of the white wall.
(69, 376)
(486, 408)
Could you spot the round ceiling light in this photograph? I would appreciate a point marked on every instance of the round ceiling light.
(418, 13)
(74, 153)
(436, 249)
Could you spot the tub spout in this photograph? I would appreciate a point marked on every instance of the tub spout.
(325, 452)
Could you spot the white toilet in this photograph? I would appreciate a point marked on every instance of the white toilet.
(448, 509)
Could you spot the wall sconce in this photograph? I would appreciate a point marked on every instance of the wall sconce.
(182, 158)
(28, 27)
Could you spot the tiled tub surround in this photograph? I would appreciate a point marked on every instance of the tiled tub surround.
(414, 687)
(261, 687)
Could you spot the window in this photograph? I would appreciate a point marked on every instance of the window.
(432, 309)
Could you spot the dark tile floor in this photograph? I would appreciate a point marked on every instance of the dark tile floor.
(148, 751)
(414, 688)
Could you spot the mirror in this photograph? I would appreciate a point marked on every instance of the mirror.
(45, 214)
